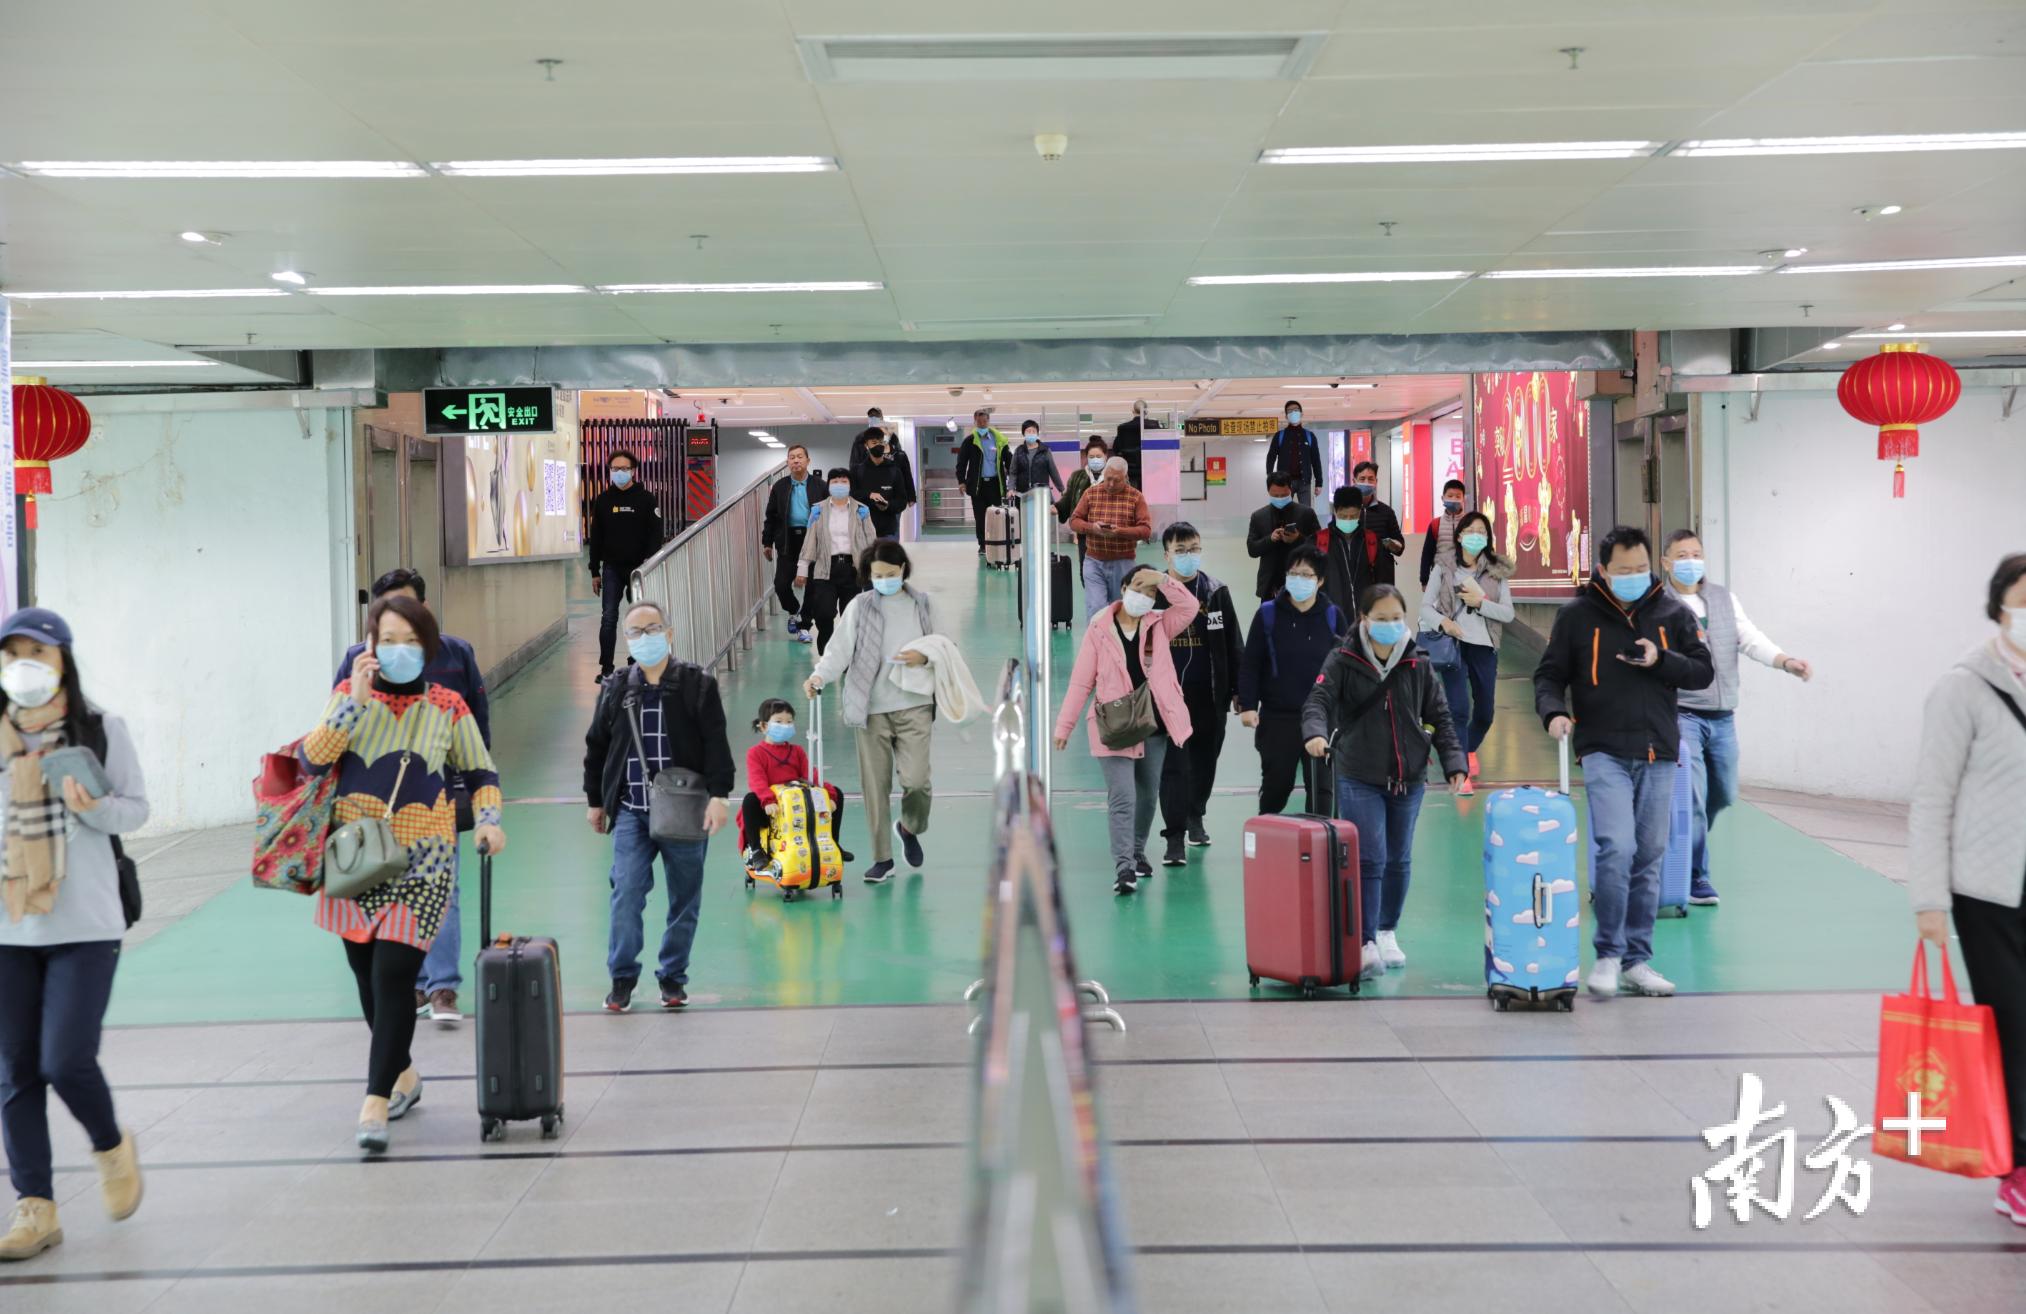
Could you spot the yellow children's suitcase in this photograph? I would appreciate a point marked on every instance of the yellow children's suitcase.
(800, 838)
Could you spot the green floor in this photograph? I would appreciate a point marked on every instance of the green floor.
(254, 955)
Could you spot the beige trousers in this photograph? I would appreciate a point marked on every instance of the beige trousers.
(889, 739)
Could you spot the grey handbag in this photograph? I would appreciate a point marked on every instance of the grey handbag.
(1126, 721)
(361, 856)
(676, 796)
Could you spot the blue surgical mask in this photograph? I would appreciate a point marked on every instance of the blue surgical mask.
(840, 490)
(1188, 563)
(1452, 505)
(1031, 437)
(1300, 587)
(1366, 489)
(1280, 503)
(621, 478)
(1386, 633)
(1095, 465)
(887, 585)
(1294, 416)
(400, 663)
(1631, 588)
(1474, 543)
(1346, 526)
(648, 649)
(780, 732)
(1688, 571)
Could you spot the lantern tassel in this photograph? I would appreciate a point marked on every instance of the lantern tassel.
(1899, 480)
(1898, 442)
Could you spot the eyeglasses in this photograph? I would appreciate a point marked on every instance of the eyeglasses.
(643, 631)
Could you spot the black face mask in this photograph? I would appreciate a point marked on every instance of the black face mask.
(875, 452)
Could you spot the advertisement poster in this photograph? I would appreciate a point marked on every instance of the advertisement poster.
(1533, 477)
(1214, 471)
(519, 492)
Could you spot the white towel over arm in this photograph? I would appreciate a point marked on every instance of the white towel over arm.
(946, 676)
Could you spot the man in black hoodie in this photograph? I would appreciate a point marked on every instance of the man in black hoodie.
(1275, 531)
(1350, 552)
(873, 432)
(625, 531)
(1615, 661)
(1206, 663)
(886, 483)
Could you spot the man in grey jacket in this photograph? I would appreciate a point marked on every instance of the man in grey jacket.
(1708, 730)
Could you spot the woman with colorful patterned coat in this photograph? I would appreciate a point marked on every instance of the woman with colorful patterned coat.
(397, 717)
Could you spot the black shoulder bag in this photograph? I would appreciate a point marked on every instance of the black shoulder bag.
(94, 737)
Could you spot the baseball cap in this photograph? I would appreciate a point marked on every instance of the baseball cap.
(37, 623)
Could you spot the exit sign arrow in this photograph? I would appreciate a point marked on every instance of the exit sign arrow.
(452, 412)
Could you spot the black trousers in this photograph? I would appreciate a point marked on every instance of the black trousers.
(1281, 760)
(988, 494)
(385, 971)
(828, 597)
(753, 818)
(885, 524)
(1994, 949)
(615, 588)
(1190, 771)
(52, 1004)
(786, 554)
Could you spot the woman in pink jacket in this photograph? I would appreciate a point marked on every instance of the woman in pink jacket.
(1126, 647)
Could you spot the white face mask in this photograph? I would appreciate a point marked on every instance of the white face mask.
(1137, 603)
(29, 682)
(2015, 627)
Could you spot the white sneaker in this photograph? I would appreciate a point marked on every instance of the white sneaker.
(1644, 980)
(1390, 952)
(1604, 978)
(1374, 965)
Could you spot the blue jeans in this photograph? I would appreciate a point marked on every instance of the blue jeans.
(1628, 842)
(1472, 685)
(633, 856)
(440, 969)
(1712, 742)
(1385, 825)
(1103, 581)
(52, 1002)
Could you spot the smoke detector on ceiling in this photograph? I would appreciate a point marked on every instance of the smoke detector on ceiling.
(1051, 146)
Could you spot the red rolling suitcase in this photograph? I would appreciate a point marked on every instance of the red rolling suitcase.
(1303, 922)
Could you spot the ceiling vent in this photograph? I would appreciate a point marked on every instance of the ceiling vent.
(1253, 58)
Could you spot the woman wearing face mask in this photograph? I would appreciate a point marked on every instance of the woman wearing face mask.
(1095, 454)
(1466, 600)
(1370, 714)
(1126, 647)
(1967, 836)
(389, 734)
(60, 936)
(778, 760)
(891, 723)
(1033, 465)
(840, 529)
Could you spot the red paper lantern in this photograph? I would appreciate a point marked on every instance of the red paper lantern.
(49, 424)
(1899, 389)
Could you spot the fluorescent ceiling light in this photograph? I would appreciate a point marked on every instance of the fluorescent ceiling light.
(913, 60)
(1890, 209)
(1881, 266)
(1517, 150)
(758, 433)
(1950, 333)
(222, 169)
(454, 290)
(618, 168)
(289, 276)
(194, 294)
(202, 239)
(1895, 328)
(1831, 346)
(114, 364)
(1920, 141)
(1644, 271)
(1794, 251)
(1363, 276)
(627, 288)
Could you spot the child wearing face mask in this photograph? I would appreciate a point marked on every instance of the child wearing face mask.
(777, 760)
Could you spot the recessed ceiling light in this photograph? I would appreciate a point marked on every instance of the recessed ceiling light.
(849, 286)
(191, 235)
(182, 294)
(1895, 328)
(758, 433)
(1831, 346)
(222, 169)
(1793, 251)
(290, 276)
(1367, 276)
(1955, 333)
(454, 290)
(1925, 141)
(1521, 150)
(1890, 209)
(114, 364)
(1883, 266)
(1641, 271)
(617, 168)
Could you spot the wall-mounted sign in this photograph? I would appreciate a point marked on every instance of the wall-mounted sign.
(1214, 470)
(489, 410)
(1232, 426)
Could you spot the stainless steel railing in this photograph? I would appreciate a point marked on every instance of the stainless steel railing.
(712, 580)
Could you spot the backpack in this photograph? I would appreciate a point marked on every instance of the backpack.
(1331, 617)
(92, 735)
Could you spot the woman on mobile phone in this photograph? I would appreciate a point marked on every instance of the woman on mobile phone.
(60, 935)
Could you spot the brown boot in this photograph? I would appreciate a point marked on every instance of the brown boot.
(33, 1230)
(119, 1178)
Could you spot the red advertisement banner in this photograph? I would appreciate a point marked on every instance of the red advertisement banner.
(1533, 476)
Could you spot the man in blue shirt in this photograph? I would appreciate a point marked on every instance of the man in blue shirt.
(781, 529)
(456, 669)
(981, 470)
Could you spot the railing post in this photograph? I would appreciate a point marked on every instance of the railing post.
(1036, 559)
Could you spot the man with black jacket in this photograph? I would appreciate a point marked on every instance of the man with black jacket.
(1295, 453)
(1206, 657)
(886, 483)
(1381, 522)
(1440, 545)
(982, 461)
(787, 517)
(1615, 662)
(1126, 443)
(625, 531)
(659, 715)
(1350, 552)
(1275, 531)
(873, 432)
(1292, 635)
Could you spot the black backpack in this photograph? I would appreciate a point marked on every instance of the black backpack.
(92, 735)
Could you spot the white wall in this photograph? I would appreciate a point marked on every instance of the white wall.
(1244, 490)
(1881, 595)
(204, 561)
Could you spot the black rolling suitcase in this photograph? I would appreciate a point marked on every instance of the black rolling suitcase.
(1062, 592)
(520, 1026)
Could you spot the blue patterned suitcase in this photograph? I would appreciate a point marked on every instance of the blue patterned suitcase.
(1532, 917)
(1674, 869)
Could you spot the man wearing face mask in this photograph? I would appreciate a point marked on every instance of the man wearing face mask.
(1033, 465)
(1707, 728)
(1616, 663)
(1294, 452)
(982, 459)
(1206, 654)
(625, 531)
(1292, 635)
(1350, 552)
(886, 483)
(1380, 522)
(1114, 516)
(873, 432)
(1440, 544)
(1095, 454)
(1275, 531)
(789, 502)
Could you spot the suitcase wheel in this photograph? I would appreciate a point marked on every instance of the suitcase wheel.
(550, 1122)
(1255, 978)
(750, 882)
(1566, 1003)
(491, 1129)
(1308, 989)
(789, 895)
(837, 890)
(1501, 1003)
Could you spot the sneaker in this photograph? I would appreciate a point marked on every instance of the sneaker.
(1645, 981)
(401, 1101)
(33, 1230)
(879, 873)
(1466, 789)
(604, 674)
(910, 846)
(806, 635)
(621, 998)
(2011, 1200)
(1473, 766)
(421, 1003)
(119, 1178)
(795, 629)
(1373, 965)
(1142, 869)
(755, 859)
(443, 1008)
(1702, 894)
(1390, 952)
(1604, 978)
(1126, 883)
(673, 996)
(1198, 836)
(1174, 857)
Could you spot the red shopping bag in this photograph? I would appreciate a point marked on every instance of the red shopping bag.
(1947, 1051)
(292, 818)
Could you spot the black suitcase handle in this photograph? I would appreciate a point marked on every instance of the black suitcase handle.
(484, 898)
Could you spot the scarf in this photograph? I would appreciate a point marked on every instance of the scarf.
(32, 861)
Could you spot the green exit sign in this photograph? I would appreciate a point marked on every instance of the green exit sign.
(489, 410)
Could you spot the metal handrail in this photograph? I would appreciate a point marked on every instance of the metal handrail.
(712, 580)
